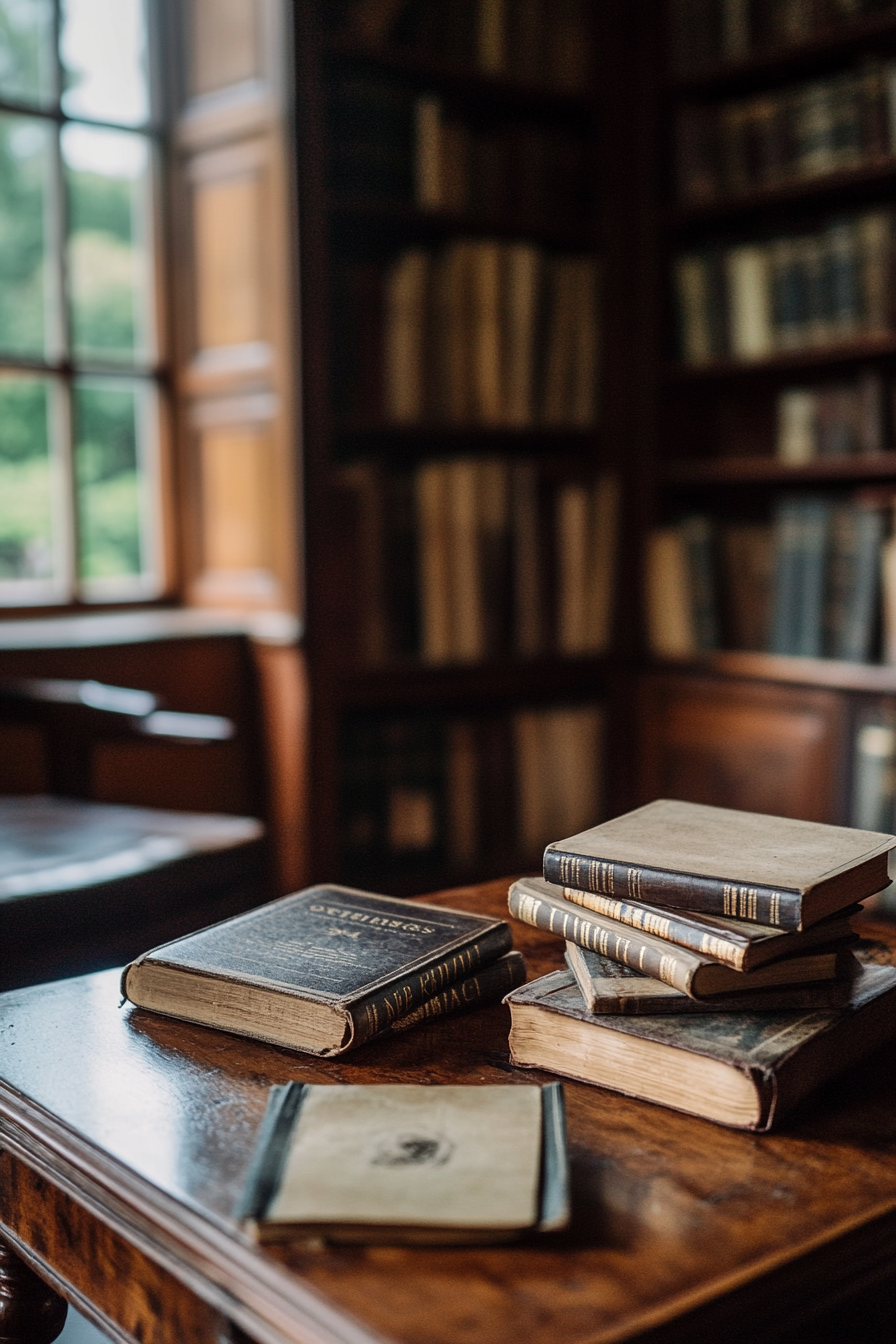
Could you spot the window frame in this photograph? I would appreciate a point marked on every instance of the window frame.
(63, 369)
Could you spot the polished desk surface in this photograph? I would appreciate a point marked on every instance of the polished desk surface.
(125, 1139)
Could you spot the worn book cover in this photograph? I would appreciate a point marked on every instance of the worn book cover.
(321, 970)
(735, 942)
(607, 986)
(408, 1163)
(745, 1069)
(767, 870)
(535, 902)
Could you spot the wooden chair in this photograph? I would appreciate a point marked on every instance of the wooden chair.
(87, 885)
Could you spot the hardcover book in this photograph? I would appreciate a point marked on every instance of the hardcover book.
(734, 942)
(744, 1069)
(322, 970)
(607, 986)
(534, 902)
(767, 870)
(408, 1163)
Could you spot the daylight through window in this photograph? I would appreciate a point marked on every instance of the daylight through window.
(80, 357)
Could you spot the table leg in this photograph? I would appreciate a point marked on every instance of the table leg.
(30, 1312)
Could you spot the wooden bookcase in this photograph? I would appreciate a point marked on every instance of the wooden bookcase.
(742, 728)
(335, 224)
(734, 727)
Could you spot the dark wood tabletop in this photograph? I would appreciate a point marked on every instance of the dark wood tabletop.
(125, 1139)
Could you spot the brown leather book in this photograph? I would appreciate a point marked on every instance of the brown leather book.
(607, 986)
(534, 902)
(745, 1069)
(322, 970)
(768, 870)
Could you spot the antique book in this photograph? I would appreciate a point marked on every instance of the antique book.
(489, 985)
(734, 942)
(768, 870)
(408, 1163)
(534, 902)
(321, 970)
(607, 986)
(745, 1069)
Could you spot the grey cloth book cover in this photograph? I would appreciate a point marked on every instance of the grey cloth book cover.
(408, 1163)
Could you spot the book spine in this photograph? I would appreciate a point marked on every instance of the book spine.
(759, 904)
(662, 924)
(575, 928)
(475, 991)
(377, 1012)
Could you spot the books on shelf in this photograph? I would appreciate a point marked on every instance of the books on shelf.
(502, 171)
(797, 292)
(322, 970)
(841, 419)
(475, 333)
(429, 789)
(540, 42)
(707, 33)
(471, 558)
(813, 583)
(408, 1163)
(774, 139)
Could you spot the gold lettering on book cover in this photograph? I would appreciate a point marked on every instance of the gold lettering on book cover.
(774, 913)
(634, 883)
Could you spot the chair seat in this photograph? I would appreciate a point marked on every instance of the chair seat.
(85, 886)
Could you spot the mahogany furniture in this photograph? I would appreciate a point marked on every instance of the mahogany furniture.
(83, 885)
(125, 1138)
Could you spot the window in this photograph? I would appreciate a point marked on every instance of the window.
(82, 404)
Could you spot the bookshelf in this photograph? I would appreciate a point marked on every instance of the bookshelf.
(773, 172)
(405, 720)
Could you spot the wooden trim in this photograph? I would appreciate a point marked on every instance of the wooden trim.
(771, 471)
(146, 625)
(795, 671)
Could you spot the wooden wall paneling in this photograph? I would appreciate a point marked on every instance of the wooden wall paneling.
(211, 675)
(225, 44)
(750, 745)
(283, 678)
(237, 321)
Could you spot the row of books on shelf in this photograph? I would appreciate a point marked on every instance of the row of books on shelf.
(818, 581)
(835, 420)
(466, 791)
(792, 135)
(539, 42)
(465, 559)
(796, 292)
(475, 333)
(711, 32)
(390, 144)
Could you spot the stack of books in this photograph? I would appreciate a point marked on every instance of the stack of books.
(710, 959)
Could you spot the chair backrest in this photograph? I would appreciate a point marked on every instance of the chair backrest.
(75, 715)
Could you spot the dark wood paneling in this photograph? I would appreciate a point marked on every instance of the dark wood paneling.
(741, 744)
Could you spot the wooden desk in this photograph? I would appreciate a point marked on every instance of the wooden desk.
(125, 1139)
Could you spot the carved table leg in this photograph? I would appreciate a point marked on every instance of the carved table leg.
(30, 1312)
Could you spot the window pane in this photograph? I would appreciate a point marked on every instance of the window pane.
(26, 51)
(109, 246)
(103, 49)
(116, 429)
(27, 323)
(31, 519)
